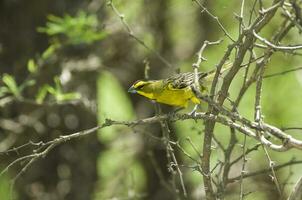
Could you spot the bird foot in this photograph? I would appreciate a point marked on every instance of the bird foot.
(193, 113)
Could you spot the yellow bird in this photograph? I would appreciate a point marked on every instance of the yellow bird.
(176, 90)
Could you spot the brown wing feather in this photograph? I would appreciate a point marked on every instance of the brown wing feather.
(180, 81)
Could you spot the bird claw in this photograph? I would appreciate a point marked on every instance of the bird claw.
(193, 113)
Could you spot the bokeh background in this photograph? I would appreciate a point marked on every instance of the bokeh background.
(66, 65)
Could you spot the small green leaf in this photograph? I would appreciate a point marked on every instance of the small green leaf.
(58, 93)
(52, 90)
(68, 96)
(50, 51)
(32, 66)
(80, 29)
(42, 93)
(58, 84)
(11, 84)
(27, 83)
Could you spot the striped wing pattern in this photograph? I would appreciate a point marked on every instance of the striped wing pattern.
(180, 81)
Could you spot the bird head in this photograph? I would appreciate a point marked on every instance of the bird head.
(138, 86)
(147, 89)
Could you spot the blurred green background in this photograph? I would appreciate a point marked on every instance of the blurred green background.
(66, 66)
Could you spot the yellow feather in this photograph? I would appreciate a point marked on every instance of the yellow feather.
(176, 90)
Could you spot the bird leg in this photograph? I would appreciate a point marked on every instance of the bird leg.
(193, 112)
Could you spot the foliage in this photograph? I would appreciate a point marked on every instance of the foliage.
(12, 88)
(80, 29)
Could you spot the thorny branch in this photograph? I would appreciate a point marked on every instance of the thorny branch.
(244, 43)
(170, 154)
(248, 128)
(277, 167)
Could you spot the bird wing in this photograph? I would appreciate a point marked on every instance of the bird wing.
(183, 80)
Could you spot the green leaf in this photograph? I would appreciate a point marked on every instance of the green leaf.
(79, 29)
(32, 66)
(58, 93)
(27, 83)
(50, 51)
(42, 94)
(58, 85)
(11, 84)
(69, 96)
(52, 90)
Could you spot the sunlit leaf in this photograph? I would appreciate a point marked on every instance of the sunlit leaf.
(52, 90)
(58, 85)
(11, 85)
(50, 51)
(68, 96)
(42, 93)
(79, 29)
(32, 66)
(56, 92)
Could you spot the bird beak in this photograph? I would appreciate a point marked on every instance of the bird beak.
(132, 90)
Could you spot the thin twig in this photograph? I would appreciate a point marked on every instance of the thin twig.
(283, 72)
(215, 18)
(275, 47)
(132, 35)
(170, 153)
(264, 171)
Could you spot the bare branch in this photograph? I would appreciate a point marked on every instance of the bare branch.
(264, 171)
(275, 47)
